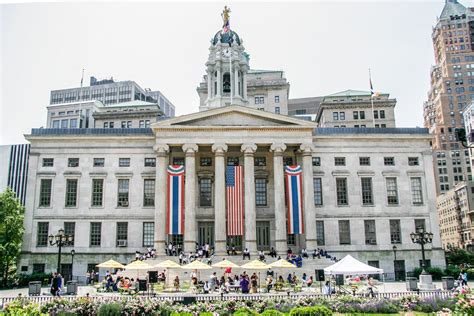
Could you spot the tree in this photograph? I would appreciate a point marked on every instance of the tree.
(460, 257)
(11, 233)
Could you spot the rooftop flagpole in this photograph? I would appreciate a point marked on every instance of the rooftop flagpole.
(372, 97)
(80, 100)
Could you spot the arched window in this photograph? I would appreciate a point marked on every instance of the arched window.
(226, 83)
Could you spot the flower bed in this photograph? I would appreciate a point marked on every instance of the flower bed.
(462, 303)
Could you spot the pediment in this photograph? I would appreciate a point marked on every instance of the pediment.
(234, 116)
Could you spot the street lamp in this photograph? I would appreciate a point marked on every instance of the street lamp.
(60, 239)
(73, 252)
(394, 248)
(422, 237)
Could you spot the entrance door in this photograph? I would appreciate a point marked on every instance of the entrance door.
(206, 233)
(66, 271)
(263, 235)
(399, 268)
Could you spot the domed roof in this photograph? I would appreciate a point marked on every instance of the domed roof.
(226, 37)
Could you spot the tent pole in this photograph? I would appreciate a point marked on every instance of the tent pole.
(383, 280)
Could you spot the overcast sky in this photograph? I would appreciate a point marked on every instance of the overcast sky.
(323, 47)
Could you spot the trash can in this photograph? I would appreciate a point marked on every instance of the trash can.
(411, 284)
(448, 283)
(71, 287)
(34, 288)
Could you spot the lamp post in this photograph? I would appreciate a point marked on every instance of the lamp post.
(73, 252)
(394, 248)
(60, 239)
(422, 237)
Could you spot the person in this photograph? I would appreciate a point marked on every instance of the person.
(206, 288)
(254, 283)
(55, 285)
(304, 253)
(246, 253)
(310, 281)
(170, 249)
(88, 277)
(60, 283)
(228, 271)
(270, 272)
(269, 283)
(304, 277)
(244, 285)
(92, 279)
(213, 281)
(176, 283)
(181, 256)
(327, 288)
(464, 277)
(273, 253)
(289, 278)
(315, 253)
(234, 253)
(261, 256)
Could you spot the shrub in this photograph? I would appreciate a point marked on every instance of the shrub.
(435, 272)
(20, 307)
(271, 312)
(311, 311)
(244, 311)
(24, 279)
(206, 314)
(110, 309)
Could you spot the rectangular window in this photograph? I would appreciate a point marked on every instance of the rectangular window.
(95, 234)
(344, 232)
(106, 124)
(42, 234)
(97, 192)
(73, 123)
(71, 192)
(124, 162)
(122, 234)
(148, 234)
(318, 191)
(277, 109)
(232, 161)
(261, 192)
(370, 235)
(367, 195)
(206, 161)
(395, 231)
(259, 100)
(99, 162)
(320, 233)
(123, 124)
(48, 162)
(150, 162)
(70, 229)
(382, 114)
(38, 267)
(147, 123)
(178, 161)
(341, 191)
(141, 124)
(335, 116)
(111, 124)
(129, 124)
(362, 115)
(364, 161)
(205, 192)
(355, 115)
(392, 191)
(277, 99)
(260, 161)
(73, 162)
(413, 161)
(123, 190)
(416, 192)
(376, 114)
(45, 192)
(389, 161)
(291, 239)
(149, 192)
(56, 124)
(288, 161)
(64, 123)
(339, 161)
(316, 161)
(342, 116)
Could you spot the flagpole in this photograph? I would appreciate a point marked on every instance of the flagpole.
(80, 101)
(372, 97)
(230, 72)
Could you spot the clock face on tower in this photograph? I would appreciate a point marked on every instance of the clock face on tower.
(226, 53)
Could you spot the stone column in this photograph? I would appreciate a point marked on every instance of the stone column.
(219, 199)
(236, 80)
(219, 82)
(162, 161)
(308, 197)
(281, 245)
(244, 89)
(249, 198)
(190, 230)
(209, 84)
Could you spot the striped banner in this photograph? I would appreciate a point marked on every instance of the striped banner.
(294, 199)
(235, 201)
(175, 213)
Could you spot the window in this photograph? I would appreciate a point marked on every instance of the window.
(106, 124)
(291, 239)
(318, 191)
(355, 114)
(150, 162)
(362, 115)
(178, 161)
(413, 161)
(148, 234)
(64, 123)
(141, 124)
(364, 161)
(123, 187)
(48, 162)
(124, 162)
(70, 229)
(341, 191)
(97, 192)
(73, 123)
(367, 195)
(382, 114)
(395, 231)
(260, 161)
(71, 192)
(73, 162)
(288, 161)
(45, 192)
(392, 192)
(99, 162)
(277, 99)
(376, 114)
(129, 124)
(344, 232)
(56, 124)
(149, 192)
(123, 124)
(38, 267)
(206, 161)
(320, 233)
(261, 192)
(232, 161)
(416, 192)
(147, 123)
(205, 192)
(122, 234)
(300, 112)
(42, 234)
(316, 161)
(389, 161)
(277, 109)
(95, 234)
(370, 235)
(342, 116)
(339, 161)
(259, 100)
(335, 116)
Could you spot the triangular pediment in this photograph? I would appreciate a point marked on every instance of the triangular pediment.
(235, 116)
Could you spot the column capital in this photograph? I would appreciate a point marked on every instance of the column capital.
(306, 149)
(278, 148)
(248, 148)
(190, 149)
(161, 149)
(219, 148)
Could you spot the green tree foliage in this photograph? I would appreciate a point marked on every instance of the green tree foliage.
(11, 233)
(460, 257)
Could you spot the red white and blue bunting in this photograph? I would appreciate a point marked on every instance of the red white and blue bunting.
(175, 213)
(294, 199)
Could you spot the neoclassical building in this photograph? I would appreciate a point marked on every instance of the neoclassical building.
(361, 190)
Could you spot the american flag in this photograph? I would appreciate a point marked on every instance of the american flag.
(235, 203)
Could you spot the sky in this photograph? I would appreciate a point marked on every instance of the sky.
(322, 46)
